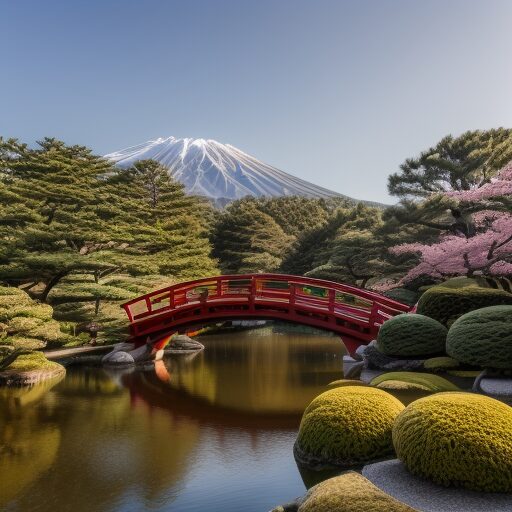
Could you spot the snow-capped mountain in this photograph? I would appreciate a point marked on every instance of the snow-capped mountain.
(219, 171)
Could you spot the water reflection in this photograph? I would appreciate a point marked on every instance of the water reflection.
(29, 440)
(259, 374)
(210, 432)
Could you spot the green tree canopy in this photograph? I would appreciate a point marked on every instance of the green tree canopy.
(454, 163)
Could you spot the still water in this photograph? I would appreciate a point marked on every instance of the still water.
(212, 431)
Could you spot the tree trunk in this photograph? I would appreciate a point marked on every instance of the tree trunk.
(51, 283)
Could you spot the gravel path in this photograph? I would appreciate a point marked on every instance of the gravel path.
(392, 477)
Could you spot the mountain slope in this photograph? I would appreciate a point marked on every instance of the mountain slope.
(219, 171)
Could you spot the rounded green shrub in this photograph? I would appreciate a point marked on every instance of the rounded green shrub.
(403, 295)
(457, 439)
(447, 304)
(350, 492)
(411, 335)
(413, 380)
(483, 338)
(441, 364)
(347, 426)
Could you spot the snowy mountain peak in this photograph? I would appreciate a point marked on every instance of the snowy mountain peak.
(219, 171)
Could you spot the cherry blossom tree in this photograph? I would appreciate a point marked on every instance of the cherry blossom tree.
(486, 249)
(498, 187)
(488, 252)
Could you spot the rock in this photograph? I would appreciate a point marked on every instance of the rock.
(374, 359)
(119, 357)
(359, 353)
(124, 347)
(497, 387)
(181, 343)
(393, 478)
(143, 353)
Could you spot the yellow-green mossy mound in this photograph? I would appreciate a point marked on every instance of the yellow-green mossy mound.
(31, 368)
(441, 364)
(457, 439)
(345, 382)
(350, 492)
(347, 426)
(413, 380)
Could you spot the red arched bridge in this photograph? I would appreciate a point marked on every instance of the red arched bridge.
(353, 313)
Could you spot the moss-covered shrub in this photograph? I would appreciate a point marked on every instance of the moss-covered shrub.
(26, 323)
(33, 361)
(350, 492)
(347, 426)
(457, 439)
(447, 304)
(403, 295)
(413, 380)
(441, 364)
(411, 335)
(483, 338)
(345, 382)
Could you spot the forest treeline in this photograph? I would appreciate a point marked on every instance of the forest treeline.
(80, 234)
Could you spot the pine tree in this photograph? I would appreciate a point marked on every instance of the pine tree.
(455, 163)
(65, 224)
(248, 240)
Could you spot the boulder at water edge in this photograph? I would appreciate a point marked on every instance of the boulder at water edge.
(118, 358)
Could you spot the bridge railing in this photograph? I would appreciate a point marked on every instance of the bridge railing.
(360, 306)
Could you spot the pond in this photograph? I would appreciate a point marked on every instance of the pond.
(209, 431)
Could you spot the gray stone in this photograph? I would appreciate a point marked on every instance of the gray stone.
(500, 388)
(393, 477)
(368, 375)
(183, 343)
(359, 353)
(119, 357)
(143, 353)
(376, 360)
(125, 346)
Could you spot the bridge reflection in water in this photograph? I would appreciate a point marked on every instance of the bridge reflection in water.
(212, 432)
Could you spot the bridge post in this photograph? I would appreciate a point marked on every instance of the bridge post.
(373, 317)
(252, 294)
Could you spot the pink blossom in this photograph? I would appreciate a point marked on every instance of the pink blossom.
(499, 186)
(488, 252)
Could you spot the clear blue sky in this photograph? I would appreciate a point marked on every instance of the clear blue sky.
(336, 92)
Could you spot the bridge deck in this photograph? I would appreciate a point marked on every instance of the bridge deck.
(344, 309)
